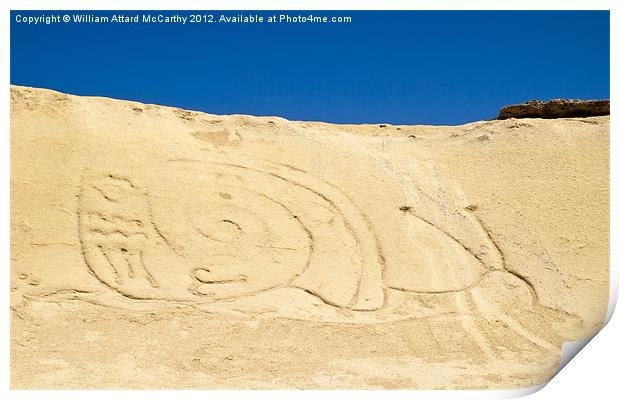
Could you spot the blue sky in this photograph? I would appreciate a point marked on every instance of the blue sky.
(395, 67)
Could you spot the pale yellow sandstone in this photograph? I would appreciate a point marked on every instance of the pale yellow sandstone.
(153, 247)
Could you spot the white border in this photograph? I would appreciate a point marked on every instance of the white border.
(311, 5)
(567, 384)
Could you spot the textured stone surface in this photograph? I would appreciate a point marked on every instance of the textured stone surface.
(558, 108)
(156, 247)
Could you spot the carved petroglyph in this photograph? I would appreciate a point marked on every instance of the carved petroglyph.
(244, 231)
(249, 235)
(114, 230)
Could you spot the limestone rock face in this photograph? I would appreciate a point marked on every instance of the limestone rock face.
(154, 247)
(558, 108)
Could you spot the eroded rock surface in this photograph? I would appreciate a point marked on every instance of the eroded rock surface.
(168, 248)
(558, 108)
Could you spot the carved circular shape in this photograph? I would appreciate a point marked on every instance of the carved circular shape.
(209, 231)
(213, 231)
(244, 241)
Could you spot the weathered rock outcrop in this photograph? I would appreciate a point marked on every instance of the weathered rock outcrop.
(167, 248)
(558, 108)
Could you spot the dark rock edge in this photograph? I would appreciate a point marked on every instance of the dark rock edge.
(558, 108)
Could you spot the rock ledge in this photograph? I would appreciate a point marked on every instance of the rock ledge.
(558, 108)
